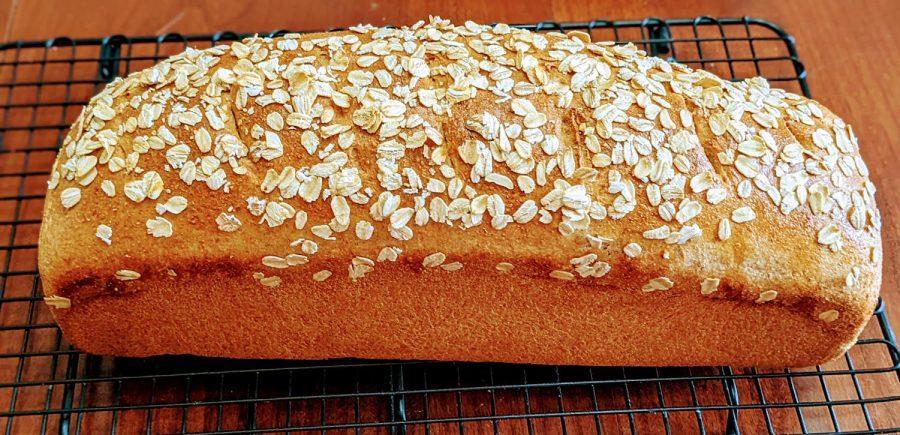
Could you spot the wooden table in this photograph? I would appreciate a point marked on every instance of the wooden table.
(850, 50)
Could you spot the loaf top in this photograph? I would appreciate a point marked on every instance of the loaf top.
(469, 149)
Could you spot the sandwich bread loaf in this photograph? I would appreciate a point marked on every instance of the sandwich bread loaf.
(458, 192)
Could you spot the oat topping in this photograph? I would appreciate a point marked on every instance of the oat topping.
(359, 267)
(562, 275)
(354, 127)
(829, 316)
(174, 205)
(364, 230)
(452, 267)
(127, 275)
(159, 227)
(743, 214)
(228, 222)
(60, 302)
(657, 284)
(724, 229)
(767, 296)
(270, 281)
(70, 197)
(709, 286)
(434, 260)
(505, 267)
(830, 235)
(633, 249)
(321, 275)
(108, 187)
(388, 253)
(852, 277)
(104, 233)
(275, 261)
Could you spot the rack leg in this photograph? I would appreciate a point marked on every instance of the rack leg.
(65, 418)
(110, 54)
(733, 399)
(888, 333)
(398, 401)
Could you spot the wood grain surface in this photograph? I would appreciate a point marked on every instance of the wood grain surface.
(851, 50)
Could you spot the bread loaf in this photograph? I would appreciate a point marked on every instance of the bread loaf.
(446, 192)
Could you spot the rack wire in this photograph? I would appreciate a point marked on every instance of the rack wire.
(48, 386)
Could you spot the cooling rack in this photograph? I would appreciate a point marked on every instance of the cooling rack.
(46, 386)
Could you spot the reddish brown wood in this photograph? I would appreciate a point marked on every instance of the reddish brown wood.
(850, 50)
(6, 7)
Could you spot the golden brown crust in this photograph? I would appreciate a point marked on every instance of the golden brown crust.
(798, 276)
(445, 317)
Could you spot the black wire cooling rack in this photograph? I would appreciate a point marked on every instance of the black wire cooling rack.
(47, 386)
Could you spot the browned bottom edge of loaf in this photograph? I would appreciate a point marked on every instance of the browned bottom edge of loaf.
(503, 319)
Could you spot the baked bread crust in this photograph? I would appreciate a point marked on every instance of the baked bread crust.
(492, 195)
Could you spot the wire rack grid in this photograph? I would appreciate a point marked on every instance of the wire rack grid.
(48, 386)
